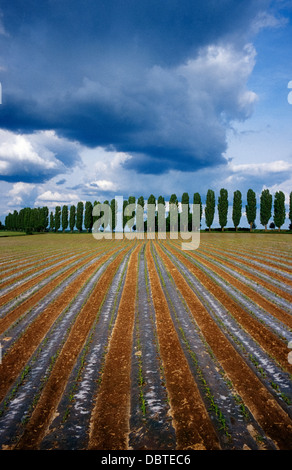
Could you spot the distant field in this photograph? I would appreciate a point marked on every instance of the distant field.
(133, 344)
(7, 233)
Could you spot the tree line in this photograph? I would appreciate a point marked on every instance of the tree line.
(81, 216)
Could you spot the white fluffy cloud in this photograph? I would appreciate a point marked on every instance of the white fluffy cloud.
(258, 169)
(52, 198)
(34, 158)
(21, 194)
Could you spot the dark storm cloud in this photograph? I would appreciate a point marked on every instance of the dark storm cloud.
(157, 79)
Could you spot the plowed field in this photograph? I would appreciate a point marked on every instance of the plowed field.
(137, 344)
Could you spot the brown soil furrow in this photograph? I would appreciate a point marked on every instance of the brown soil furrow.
(109, 426)
(280, 292)
(266, 410)
(258, 268)
(267, 305)
(30, 283)
(31, 264)
(52, 392)
(193, 426)
(263, 253)
(6, 262)
(27, 304)
(35, 269)
(246, 256)
(267, 260)
(265, 337)
(21, 351)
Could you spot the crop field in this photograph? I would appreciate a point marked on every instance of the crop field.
(137, 344)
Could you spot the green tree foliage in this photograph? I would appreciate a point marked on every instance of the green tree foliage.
(10, 221)
(64, 217)
(279, 209)
(35, 219)
(210, 208)
(130, 217)
(45, 217)
(21, 219)
(52, 221)
(223, 207)
(98, 219)
(125, 218)
(141, 202)
(251, 208)
(160, 222)
(114, 209)
(172, 218)
(151, 206)
(265, 207)
(57, 218)
(72, 217)
(236, 209)
(28, 220)
(185, 200)
(95, 217)
(88, 217)
(106, 217)
(38, 219)
(290, 207)
(197, 200)
(140, 214)
(79, 216)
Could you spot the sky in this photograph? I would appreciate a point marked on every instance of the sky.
(105, 98)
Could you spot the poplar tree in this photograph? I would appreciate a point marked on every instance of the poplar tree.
(34, 219)
(88, 218)
(64, 217)
(106, 217)
(160, 219)
(52, 221)
(129, 218)
(95, 217)
(223, 208)
(140, 214)
(151, 205)
(265, 207)
(44, 218)
(186, 201)
(210, 208)
(236, 209)
(21, 219)
(72, 218)
(279, 209)
(251, 207)
(125, 218)
(290, 210)
(57, 218)
(173, 213)
(197, 200)
(79, 216)
(141, 202)
(114, 209)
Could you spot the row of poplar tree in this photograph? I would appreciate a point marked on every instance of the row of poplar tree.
(81, 216)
